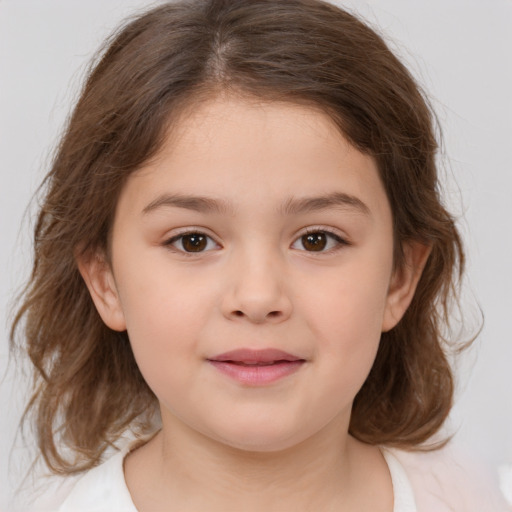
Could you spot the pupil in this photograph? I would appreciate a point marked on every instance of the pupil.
(194, 243)
(314, 241)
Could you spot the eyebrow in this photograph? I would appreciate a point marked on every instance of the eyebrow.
(197, 203)
(290, 207)
(332, 200)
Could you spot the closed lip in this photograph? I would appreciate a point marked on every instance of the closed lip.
(251, 356)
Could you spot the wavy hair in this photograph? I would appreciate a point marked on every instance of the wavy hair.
(87, 387)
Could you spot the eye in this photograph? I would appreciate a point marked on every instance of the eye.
(318, 241)
(192, 242)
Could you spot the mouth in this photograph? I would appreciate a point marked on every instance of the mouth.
(256, 367)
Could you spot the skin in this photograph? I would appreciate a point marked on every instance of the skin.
(257, 284)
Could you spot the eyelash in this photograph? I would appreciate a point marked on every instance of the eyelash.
(338, 240)
(330, 236)
(182, 236)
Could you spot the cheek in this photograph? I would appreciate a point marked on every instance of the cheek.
(164, 318)
(347, 322)
(159, 300)
(346, 353)
(351, 304)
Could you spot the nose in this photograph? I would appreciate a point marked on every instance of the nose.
(256, 291)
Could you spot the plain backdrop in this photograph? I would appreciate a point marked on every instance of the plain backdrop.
(458, 49)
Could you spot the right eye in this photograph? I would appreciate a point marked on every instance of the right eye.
(192, 242)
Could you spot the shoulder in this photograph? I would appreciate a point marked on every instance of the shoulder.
(101, 489)
(449, 480)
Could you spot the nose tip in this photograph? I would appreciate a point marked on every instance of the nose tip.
(256, 293)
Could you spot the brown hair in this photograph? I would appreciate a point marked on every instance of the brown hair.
(87, 388)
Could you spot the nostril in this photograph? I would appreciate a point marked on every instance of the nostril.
(271, 314)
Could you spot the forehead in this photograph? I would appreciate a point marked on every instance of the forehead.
(231, 125)
(226, 145)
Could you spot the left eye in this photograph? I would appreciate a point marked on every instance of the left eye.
(318, 241)
(193, 242)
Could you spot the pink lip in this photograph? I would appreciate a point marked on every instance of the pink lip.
(256, 367)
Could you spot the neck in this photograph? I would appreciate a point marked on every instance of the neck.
(267, 478)
(193, 472)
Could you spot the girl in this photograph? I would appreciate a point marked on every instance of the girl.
(242, 261)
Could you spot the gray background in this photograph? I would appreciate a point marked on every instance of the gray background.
(459, 50)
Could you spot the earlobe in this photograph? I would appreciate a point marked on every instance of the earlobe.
(404, 282)
(98, 277)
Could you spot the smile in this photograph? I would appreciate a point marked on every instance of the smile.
(256, 367)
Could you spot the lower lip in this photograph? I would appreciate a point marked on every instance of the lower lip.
(253, 375)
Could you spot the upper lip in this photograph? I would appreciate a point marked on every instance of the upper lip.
(246, 355)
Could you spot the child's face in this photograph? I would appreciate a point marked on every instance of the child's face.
(291, 250)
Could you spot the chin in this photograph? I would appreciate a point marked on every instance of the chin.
(263, 437)
(260, 446)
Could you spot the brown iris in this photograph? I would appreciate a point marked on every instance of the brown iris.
(194, 242)
(314, 241)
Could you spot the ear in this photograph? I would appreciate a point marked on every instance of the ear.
(98, 276)
(403, 283)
